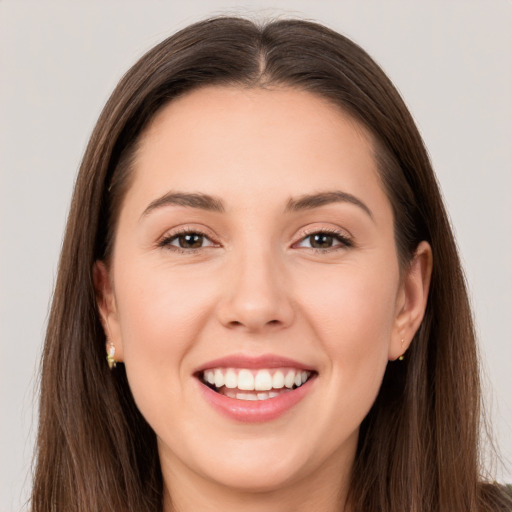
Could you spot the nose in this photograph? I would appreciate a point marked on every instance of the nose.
(257, 296)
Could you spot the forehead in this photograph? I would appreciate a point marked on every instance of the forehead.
(245, 143)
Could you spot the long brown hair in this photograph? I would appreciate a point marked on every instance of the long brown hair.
(418, 446)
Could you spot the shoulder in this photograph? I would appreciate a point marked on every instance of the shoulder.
(496, 498)
(507, 490)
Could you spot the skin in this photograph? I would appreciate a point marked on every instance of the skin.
(257, 287)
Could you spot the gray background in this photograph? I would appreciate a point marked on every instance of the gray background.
(452, 61)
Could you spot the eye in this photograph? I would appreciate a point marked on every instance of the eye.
(186, 240)
(324, 240)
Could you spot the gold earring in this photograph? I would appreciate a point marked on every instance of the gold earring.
(111, 351)
(401, 358)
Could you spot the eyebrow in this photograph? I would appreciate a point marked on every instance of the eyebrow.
(210, 203)
(310, 201)
(201, 201)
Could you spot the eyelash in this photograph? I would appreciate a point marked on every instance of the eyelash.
(344, 241)
(166, 242)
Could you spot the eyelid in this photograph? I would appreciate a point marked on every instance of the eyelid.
(345, 238)
(173, 233)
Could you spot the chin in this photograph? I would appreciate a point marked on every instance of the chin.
(256, 478)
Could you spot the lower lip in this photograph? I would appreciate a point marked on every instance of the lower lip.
(256, 411)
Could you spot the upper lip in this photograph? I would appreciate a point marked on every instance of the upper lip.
(254, 362)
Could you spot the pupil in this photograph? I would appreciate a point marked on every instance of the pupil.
(321, 241)
(191, 241)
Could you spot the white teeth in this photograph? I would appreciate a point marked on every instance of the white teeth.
(245, 380)
(263, 381)
(289, 380)
(278, 380)
(254, 380)
(246, 396)
(219, 378)
(253, 396)
(231, 380)
(210, 376)
(230, 393)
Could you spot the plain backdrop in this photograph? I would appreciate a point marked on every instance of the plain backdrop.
(59, 61)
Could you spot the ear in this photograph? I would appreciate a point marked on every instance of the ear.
(107, 307)
(411, 300)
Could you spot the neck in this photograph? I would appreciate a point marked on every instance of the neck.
(324, 489)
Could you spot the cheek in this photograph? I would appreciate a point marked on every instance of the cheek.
(352, 300)
(161, 313)
(353, 316)
(158, 305)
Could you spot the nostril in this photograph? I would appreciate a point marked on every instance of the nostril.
(238, 323)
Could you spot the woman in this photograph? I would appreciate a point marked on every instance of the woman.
(258, 242)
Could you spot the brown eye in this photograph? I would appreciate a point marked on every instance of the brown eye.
(187, 241)
(190, 241)
(325, 240)
(321, 240)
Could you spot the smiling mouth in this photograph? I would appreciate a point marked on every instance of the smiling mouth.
(252, 385)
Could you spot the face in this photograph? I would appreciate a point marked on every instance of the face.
(254, 292)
